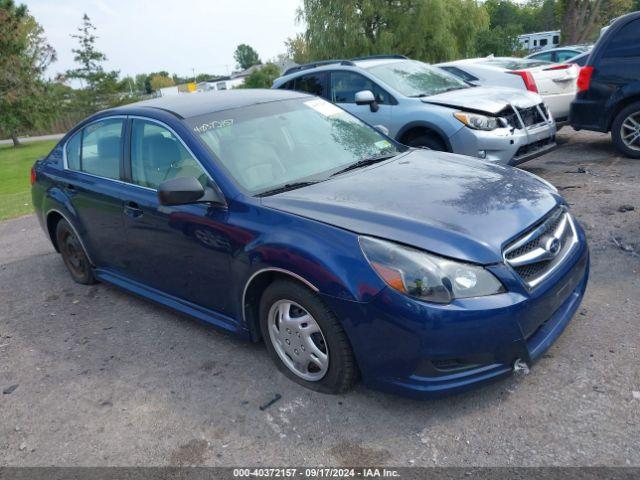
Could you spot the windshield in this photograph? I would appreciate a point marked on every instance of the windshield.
(416, 79)
(270, 145)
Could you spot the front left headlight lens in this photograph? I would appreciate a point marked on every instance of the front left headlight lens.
(426, 276)
(477, 121)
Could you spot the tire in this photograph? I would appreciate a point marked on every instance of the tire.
(339, 372)
(73, 254)
(627, 123)
(428, 140)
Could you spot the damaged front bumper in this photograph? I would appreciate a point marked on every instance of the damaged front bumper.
(508, 145)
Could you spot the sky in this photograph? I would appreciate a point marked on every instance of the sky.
(139, 36)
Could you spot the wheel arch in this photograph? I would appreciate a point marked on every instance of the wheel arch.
(255, 286)
(416, 128)
(52, 218)
(621, 105)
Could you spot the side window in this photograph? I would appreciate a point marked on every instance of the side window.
(73, 151)
(345, 85)
(313, 84)
(625, 42)
(566, 55)
(101, 148)
(556, 39)
(547, 57)
(157, 155)
(543, 42)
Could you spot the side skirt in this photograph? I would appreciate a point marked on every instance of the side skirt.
(219, 320)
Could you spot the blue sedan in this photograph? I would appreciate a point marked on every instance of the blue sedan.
(278, 216)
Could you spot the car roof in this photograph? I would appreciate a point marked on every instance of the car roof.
(200, 103)
(326, 65)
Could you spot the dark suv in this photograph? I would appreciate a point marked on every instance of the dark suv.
(608, 96)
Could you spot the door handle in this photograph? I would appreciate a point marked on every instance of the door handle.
(133, 210)
(70, 189)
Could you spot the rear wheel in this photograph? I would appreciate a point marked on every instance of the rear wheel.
(625, 131)
(305, 339)
(73, 254)
(430, 140)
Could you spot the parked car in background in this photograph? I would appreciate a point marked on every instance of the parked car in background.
(423, 106)
(555, 83)
(608, 98)
(276, 215)
(561, 54)
(580, 60)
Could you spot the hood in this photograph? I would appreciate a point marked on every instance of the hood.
(485, 99)
(448, 204)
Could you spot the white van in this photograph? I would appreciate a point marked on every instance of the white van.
(539, 40)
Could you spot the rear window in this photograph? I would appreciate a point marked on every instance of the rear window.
(514, 63)
(626, 42)
(458, 72)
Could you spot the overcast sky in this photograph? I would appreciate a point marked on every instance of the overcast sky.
(173, 35)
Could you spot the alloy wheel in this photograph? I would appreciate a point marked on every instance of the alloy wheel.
(630, 131)
(298, 340)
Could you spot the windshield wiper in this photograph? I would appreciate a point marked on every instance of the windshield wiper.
(285, 188)
(365, 162)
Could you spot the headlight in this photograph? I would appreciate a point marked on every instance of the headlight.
(425, 276)
(478, 122)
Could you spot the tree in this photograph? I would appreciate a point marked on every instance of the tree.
(297, 48)
(96, 82)
(262, 77)
(246, 56)
(430, 30)
(24, 57)
(582, 19)
(160, 81)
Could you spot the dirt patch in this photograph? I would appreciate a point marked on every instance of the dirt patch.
(349, 454)
(192, 453)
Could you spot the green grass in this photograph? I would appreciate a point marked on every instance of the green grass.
(15, 164)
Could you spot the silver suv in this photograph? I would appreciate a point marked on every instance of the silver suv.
(423, 106)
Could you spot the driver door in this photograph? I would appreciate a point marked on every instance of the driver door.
(342, 90)
(182, 250)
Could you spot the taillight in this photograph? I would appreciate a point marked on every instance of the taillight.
(32, 176)
(527, 78)
(584, 78)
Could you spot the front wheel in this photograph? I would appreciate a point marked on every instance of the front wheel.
(73, 254)
(625, 131)
(305, 339)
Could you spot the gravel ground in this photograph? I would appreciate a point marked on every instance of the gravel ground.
(104, 378)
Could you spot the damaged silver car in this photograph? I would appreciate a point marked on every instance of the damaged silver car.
(423, 106)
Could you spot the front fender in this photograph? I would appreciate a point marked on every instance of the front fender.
(326, 258)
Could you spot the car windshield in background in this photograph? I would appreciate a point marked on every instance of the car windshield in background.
(515, 63)
(416, 79)
(275, 145)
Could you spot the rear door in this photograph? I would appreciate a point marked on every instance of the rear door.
(92, 181)
(343, 87)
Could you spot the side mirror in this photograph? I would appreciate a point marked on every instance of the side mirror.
(366, 97)
(185, 190)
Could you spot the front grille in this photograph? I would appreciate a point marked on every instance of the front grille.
(540, 250)
(532, 115)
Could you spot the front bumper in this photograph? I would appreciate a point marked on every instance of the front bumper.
(422, 350)
(506, 146)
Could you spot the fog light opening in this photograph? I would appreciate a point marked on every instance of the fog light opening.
(482, 153)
